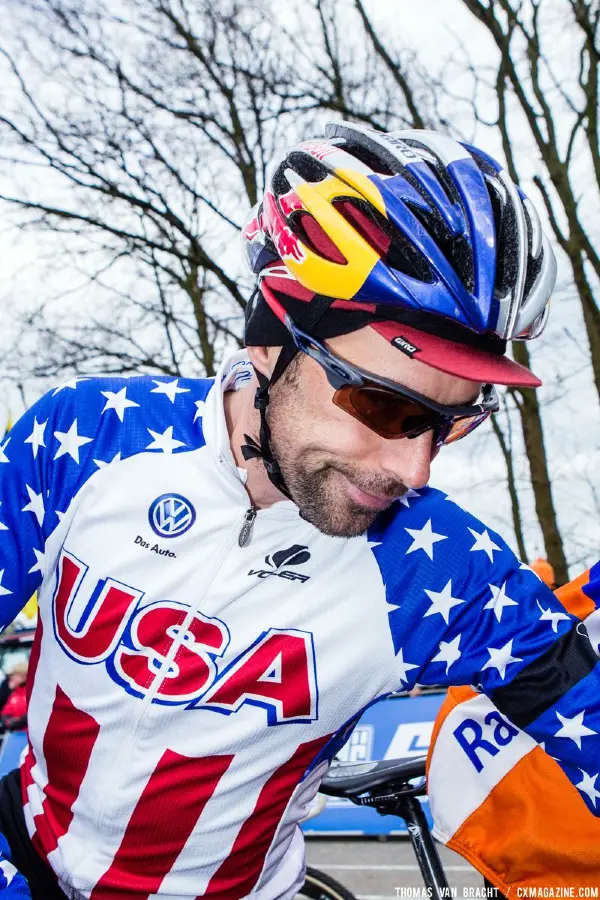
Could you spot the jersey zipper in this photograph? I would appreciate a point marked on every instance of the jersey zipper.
(248, 521)
(245, 535)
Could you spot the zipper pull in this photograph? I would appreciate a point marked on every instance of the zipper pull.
(245, 535)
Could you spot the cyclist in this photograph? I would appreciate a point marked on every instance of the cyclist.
(231, 569)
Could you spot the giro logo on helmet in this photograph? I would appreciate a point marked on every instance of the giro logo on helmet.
(293, 556)
(171, 515)
(405, 346)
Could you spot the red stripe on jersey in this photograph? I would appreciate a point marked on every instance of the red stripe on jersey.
(34, 658)
(26, 782)
(161, 823)
(68, 742)
(238, 873)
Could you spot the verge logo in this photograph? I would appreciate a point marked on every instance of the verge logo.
(293, 556)
(171, 515)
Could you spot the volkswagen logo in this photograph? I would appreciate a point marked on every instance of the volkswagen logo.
(171, 515)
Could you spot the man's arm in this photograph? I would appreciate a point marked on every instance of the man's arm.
(483, 772)
(30, 499)
(464, 610)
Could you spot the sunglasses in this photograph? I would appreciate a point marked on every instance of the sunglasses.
(388, 409)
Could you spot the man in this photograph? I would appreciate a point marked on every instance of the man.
(205, 643)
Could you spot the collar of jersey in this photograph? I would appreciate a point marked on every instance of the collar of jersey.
(233, 374)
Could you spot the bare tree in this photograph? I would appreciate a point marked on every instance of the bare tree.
(151, 127)
(562, 121)
(140, 133)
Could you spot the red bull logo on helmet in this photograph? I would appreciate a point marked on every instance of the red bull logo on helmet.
(286, 242)
(290, 202)
(318, 149)
(252, 229)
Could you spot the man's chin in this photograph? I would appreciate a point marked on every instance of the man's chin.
(334, 505)
(340, 524)
(337, 516)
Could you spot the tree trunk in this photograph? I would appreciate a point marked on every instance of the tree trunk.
(533, 435)
(512, 488)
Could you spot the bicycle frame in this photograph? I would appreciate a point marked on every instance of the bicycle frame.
(386, 786)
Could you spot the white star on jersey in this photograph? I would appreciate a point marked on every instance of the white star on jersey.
(573, 728)
(3, 527)
(165, 441)
(554, 617)
(70, 442)
(588, 786)
(36, 438)
(169, 389)
(403, 667)
(3, 456)
(71, 383)
(39, 561)
(424, 538)
(199, 404)
(102, 464)
(117, 401)
(60, 515)
(500, 600)
(484, 542)
(35, 505)
(442, 602)
(500, 658)
(3, 590)
(407, 496)
(449, 652)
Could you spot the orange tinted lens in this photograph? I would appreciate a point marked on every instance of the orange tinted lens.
(460, 428)
(385, 412)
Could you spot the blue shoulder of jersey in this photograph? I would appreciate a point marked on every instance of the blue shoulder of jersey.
(67, 436)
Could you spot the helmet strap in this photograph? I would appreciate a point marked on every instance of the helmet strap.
(262, 450)
(253, 450)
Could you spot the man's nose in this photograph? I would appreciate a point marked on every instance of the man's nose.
(408, 459)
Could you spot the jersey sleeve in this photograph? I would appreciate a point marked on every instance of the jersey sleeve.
(464, 610)
(13, 885)
(25, 516)
(61, 442)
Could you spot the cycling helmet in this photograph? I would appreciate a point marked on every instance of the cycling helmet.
(424, 238)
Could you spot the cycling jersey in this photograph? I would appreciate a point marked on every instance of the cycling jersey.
(196, 666)
(481, 773)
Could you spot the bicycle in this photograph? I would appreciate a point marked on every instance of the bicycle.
(387, 786)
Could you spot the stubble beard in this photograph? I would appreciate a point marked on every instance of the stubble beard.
(312, 478)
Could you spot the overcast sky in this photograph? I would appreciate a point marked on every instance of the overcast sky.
(472, 470)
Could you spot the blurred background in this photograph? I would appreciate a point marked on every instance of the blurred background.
(135, 135)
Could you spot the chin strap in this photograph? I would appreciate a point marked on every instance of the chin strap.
(262, 450)
(253, 450)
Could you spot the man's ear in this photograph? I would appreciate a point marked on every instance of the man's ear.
(264, 358)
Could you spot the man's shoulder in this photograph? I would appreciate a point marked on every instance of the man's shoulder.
(127, 411)
(427, 536)
(417, 507)
(86, 424)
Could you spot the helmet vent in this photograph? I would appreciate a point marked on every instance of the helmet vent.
(361, 217)
(455, 247)
(506, 242)
(370, 159)
(316, 239)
